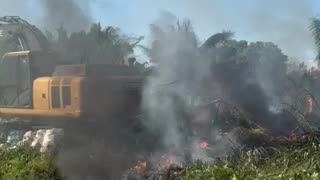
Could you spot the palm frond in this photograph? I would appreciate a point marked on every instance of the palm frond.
(315, 29)
(136, 41)
(217, 38)
(157, 32)
(145, 49)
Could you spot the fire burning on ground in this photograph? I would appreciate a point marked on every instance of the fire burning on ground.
(171, 165)
(139, 169)
(310, 101)
(204, 145)
(145, 169)
(163, 166)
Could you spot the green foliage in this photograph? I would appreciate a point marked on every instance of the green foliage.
(301, 83)
(217, 38)
(315, 29)
(98, 45)
(171, 42)
(298, 161)
(251, 75)
(24, 163)
(207, 172)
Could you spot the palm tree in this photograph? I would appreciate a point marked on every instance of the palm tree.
(216, 39)
(98, 45)
(170, 39)
(315, 29)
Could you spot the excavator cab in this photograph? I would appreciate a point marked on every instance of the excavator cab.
(15, 84)
(25, 57)
(18, 70)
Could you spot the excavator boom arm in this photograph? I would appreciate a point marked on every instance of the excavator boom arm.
(26, 36)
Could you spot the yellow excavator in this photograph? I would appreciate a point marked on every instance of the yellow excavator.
(95, 105)
(34, 87)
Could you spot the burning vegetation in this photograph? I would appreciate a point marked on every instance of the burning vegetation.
(211, 102)
(222, 109)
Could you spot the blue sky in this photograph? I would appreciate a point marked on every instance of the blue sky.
(284, 22)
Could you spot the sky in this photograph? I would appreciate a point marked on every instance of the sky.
(284, 22)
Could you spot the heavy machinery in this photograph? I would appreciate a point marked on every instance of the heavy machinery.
(93, 104)
(35, 88)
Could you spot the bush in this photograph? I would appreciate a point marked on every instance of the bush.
(23, 163)
(298, 161)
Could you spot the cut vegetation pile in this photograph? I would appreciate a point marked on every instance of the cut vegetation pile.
(293, 161)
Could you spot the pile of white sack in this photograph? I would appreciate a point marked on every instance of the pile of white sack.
(43, 140)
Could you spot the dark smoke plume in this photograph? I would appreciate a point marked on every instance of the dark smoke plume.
(247, 75)
(73, 15)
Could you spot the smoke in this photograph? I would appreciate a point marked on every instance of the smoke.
(250, 76)
(51, 14)
(285, 23)
(73, 15)
(167, 93)
(182, 68)
(282, 22)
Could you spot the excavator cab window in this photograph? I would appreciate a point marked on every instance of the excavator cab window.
(15, 83)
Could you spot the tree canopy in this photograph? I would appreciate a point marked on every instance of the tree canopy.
(315, 29)
(97, 46)
(250, 75)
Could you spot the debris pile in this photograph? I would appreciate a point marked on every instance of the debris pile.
(166, 168)
(43, 140)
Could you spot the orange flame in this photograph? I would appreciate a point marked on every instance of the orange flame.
(293, 136)
(310, 101)
(204, 145)
(140, 168)
(168, 161)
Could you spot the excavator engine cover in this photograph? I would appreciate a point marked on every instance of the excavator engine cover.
(86, 91)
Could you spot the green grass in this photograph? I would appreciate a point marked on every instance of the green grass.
(25, 164)
(296, 162)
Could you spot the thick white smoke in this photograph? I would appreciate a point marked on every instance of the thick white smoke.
(167, 93)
